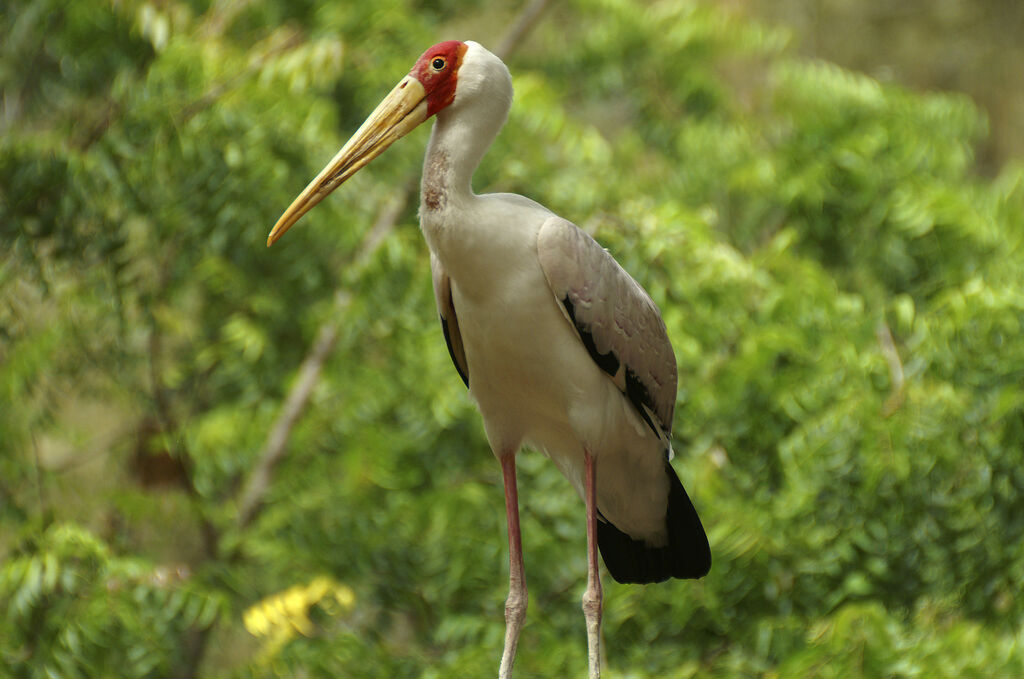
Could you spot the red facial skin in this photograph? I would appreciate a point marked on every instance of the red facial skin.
(439, 83)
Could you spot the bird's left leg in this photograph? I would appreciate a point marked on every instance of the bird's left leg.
(592, 595)
(515, 605)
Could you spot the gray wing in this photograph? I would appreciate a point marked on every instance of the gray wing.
(616, 319)
(449, 322)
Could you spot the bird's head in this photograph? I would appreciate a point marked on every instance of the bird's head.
(431, 86)
(437, 70)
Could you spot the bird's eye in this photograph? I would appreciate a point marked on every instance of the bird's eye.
(438, 63)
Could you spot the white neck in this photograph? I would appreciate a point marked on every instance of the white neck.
(465, 129)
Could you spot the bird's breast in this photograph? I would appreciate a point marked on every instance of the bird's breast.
(528, 369)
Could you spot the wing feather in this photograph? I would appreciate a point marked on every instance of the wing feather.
(616, 319)
(449, 321)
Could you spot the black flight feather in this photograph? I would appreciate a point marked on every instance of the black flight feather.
(686, 555)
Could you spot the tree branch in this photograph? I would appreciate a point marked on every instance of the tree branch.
(892, 357)
(523, 24)
(276, 446)
(210, 97)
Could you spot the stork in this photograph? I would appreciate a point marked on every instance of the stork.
(559, 347)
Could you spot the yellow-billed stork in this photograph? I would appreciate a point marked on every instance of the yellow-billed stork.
(558, 345)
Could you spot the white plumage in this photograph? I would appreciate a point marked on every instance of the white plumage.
(508, 261)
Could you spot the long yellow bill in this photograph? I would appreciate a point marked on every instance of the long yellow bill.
(404, 108)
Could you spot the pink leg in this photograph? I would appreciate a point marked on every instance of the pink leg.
(592, 595)
(515, 605)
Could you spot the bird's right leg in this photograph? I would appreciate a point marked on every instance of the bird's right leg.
(592, 596)
(515, 605)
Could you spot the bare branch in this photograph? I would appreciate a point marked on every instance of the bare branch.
(523, 24)
(382, 227)
(218, 90)
(276, 445)
(220, 15)
(892, 357)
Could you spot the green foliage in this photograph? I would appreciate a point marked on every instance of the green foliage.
(72, 609)
(843, 293)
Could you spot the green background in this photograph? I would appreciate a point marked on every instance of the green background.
(218, 460)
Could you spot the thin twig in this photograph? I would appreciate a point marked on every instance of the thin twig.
(892, 357)
(38, 468)
(276, 446)
(115, 109)
(524, 23)
(222, 13)
(382, 227)
(210, 97)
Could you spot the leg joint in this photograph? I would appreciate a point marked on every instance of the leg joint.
(515, 606)
(592, 601)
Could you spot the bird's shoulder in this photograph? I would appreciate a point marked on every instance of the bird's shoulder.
(515, 206)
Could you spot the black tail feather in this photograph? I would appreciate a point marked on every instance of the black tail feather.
(687, 554)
